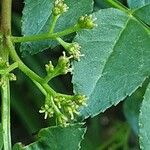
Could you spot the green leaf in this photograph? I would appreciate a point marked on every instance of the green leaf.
(143, 13)
(137, 3)
(144, 121)
(57, 138)
(116, 60)
(132, 106)
(1, 137)
(37, 19)
(131, 109)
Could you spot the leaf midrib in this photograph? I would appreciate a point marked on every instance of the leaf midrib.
(117, 40)
(133, 15)
(121, 32)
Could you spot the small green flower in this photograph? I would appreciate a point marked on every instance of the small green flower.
(63, 107)
(87, 22)
(48, 110)
(80, 100)
(12, 77)
(59, 7)
(64, 64)
(74, 50)
(49, 67)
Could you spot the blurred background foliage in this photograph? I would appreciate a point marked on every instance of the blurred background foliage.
(117, 128)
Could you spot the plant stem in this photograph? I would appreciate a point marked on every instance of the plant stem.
(63, 43)
(54, 21)
(118, 5)
(55, 73)
(9, 69)
(5, 95)
(5, 89)
(44, 87)
(6, 17)
(45, 36)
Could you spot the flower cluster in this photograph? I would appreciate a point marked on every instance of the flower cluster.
(64, 108)
(74, 50)
(4, 65)
(59, 7)
(64, 65)
(87, 22)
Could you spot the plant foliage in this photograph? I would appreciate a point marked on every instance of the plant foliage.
(107, 52)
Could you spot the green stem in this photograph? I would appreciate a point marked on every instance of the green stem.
(54, 21)
(9, 69)
(32, 75)
(6, 17)
(5, 89)
(63, 43)
(5, 95)
(45, 36)
(55, 73)
(40, 87)
(118, 5)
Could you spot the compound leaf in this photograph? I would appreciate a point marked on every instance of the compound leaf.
(116, 60)
(57, 138)
(144, 120)
(37, 19)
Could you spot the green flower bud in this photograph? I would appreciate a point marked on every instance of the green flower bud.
(12, 77)
(47, 110)
(87, 22)
(64, 64)
(80, 100)
(74, 50)
(49, 67)
(59, 7)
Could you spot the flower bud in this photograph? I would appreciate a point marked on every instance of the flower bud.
(49, 67)
(59, 7)
(12, 77)
(87, 22)
(64, 64)
(80, 99)
(48, 110)
(74, 50)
